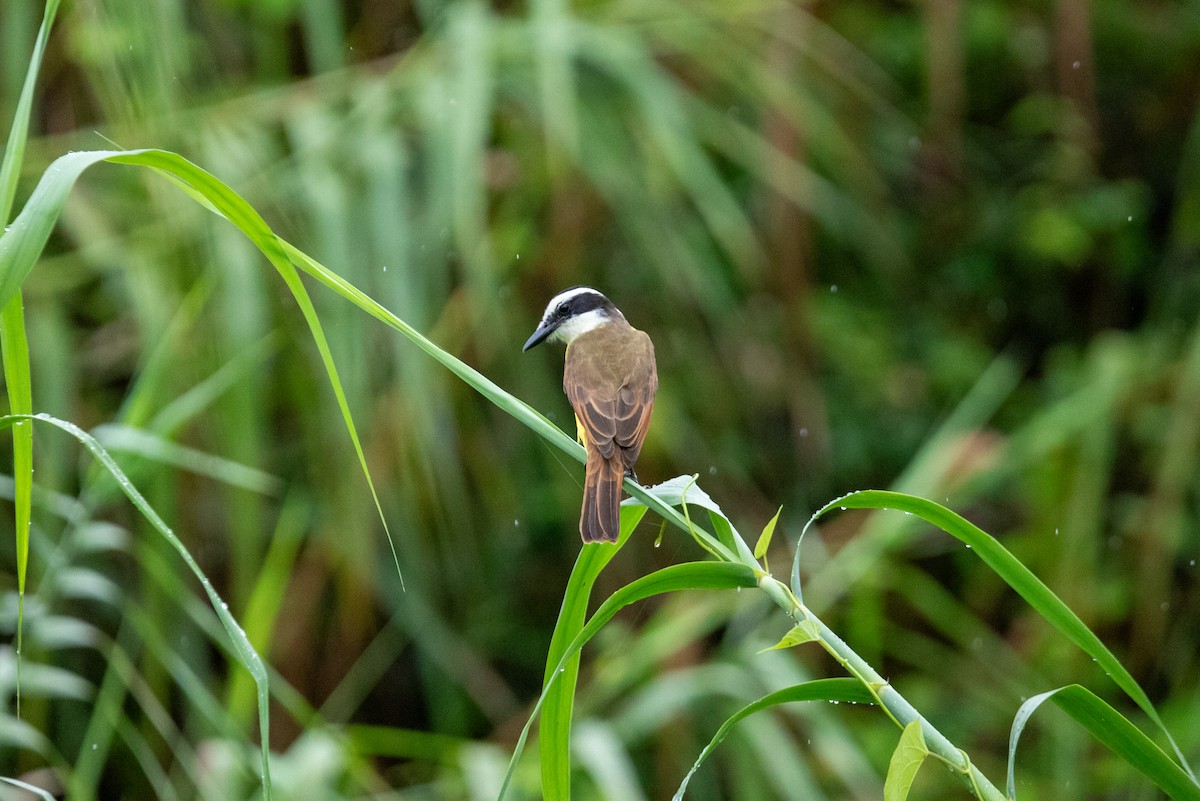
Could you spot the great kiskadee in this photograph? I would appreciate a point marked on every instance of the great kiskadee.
(610, 379)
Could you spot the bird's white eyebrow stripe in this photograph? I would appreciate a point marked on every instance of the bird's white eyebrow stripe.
(568, 294)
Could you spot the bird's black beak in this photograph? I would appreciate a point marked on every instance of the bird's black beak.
(544, 330)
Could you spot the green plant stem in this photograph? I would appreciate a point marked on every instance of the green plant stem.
(888, 697)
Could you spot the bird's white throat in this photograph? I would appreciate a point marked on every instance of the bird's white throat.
(579, 324)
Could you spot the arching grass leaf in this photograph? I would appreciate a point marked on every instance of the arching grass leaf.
(1020, 578)
(687, 576)
(834, 690)
(554, 743)
(1113, 730)
(241, 645)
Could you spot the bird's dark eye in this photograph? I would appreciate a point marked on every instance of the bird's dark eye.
(561, 311)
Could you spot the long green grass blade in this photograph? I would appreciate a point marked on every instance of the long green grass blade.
(1020, 578)
(15, 349)
(22, 244)
(687, 576)
(554, 742)
(13, 341)
(241, 645)
(14, 346)
(23, 241)
(835, 690)
(1112, 729)
(14, 150)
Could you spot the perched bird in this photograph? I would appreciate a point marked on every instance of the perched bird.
(610, 379)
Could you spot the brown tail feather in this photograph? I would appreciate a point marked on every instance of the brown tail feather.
(600, 519)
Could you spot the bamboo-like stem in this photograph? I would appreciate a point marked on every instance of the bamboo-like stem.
(888, 697)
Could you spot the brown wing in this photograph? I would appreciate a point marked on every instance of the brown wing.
(613, 400)
(596, 415)
(635, 401)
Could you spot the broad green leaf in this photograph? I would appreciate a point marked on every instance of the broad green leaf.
(675, 491)
(684, 492)
(799, 634)
(906, 761)
(241, 645)
(554, 742)
(1017, 576)
(687, 576)
(764, 539)
(833, 690)
(1113, 730)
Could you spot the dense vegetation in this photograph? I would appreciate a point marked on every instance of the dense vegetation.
(948, 249)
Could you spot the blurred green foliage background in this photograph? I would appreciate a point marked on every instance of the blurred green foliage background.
(946, 247)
